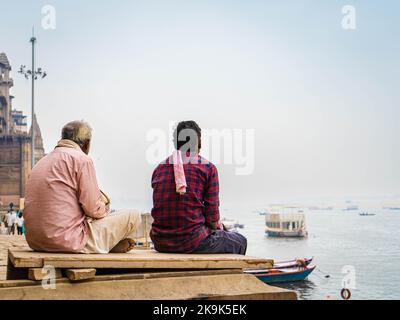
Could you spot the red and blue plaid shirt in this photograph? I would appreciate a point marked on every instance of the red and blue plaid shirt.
(181, 222)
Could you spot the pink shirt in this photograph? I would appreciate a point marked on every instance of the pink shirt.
(61, 189)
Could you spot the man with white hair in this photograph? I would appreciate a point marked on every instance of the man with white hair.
(65, 211)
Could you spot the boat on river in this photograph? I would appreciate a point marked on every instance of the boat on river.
(282, 275)
(351, 208)
(232, 225)
(292, 263)
(366, 214)
(285, 225)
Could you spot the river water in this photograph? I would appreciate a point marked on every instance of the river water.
(340, 241)
(365, 248)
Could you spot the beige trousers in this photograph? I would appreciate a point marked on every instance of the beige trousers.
(105, 233)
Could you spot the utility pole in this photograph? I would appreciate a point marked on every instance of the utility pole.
(33, 41)
(34, 76)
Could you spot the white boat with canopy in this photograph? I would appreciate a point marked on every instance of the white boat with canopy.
(278, 223)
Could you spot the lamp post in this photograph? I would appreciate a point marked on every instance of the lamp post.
(33, 74)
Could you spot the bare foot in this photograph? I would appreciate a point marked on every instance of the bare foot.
(124, 246)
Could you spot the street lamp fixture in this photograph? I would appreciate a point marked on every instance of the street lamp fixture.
(34, 74)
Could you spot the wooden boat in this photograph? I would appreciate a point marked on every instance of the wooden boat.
(291, 263)
(281, 275)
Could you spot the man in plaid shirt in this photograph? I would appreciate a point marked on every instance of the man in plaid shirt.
(190, 222)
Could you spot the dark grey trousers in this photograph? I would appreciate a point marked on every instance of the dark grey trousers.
(220, 241)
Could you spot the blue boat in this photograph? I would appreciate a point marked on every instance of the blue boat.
(281, 275)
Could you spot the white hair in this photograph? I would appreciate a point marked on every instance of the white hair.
(78, 131)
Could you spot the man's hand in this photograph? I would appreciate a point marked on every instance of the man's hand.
(106, 199)
(215, 225)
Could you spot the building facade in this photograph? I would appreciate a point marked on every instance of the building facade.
(15, 143)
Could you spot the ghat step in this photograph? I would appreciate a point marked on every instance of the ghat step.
(215, 287)
(135, 259)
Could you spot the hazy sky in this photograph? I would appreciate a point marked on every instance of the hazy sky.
(324, 102)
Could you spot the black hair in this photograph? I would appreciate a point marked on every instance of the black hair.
(187, 136)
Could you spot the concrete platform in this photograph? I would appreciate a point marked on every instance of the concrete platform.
(9, 242)
(204, 287)
(142, 275)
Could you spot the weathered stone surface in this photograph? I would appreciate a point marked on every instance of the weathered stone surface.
(9, 242)
(136, 259)
(80, 274)
(215, 287)
(40, 274)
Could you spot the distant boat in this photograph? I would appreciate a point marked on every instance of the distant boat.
(281, 275)
(351, 208)
(232, 225)
(285, 225)
(315, 208)
(366, 214)
(289, 264)
(392, 208)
